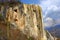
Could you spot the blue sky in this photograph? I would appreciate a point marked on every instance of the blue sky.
(50, 9)
(31, 1)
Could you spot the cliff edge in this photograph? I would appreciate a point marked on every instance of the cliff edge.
(20, 21)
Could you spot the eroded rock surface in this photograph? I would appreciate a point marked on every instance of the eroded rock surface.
(23, 22)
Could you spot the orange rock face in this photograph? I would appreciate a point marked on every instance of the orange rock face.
(23, 21)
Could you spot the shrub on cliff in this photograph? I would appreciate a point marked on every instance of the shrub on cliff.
(1, 17)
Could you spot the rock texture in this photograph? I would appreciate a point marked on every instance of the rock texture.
(21, 22)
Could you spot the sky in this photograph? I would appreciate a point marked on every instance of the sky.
(50, 10)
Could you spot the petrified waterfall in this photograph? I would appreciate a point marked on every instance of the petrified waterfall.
(21, 22)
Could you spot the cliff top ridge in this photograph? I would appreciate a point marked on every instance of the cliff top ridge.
(9, 2)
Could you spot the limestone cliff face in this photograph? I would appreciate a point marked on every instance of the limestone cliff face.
(23, 21)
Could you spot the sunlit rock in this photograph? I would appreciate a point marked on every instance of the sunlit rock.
(22, 21)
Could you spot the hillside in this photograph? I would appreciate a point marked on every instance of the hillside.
(55, 31)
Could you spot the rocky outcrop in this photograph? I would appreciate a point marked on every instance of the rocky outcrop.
(23, 22)
(49, 36)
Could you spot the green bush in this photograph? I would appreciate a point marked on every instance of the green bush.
(1, 17)
(30, 38)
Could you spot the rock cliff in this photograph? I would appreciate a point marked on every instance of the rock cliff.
(20, 21)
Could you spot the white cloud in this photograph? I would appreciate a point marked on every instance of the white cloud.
(51, 12)
(53, 7)
(48, 5)
(49, 22)
(48, 19)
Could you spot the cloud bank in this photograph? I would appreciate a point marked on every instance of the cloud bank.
(51, 12)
